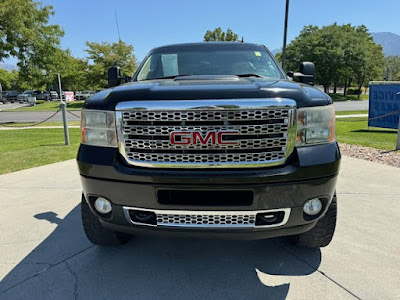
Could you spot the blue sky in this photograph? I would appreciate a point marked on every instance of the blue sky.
(147, 24)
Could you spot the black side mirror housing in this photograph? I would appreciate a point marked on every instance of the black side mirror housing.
(307, 69)
(114, 76)
(306, 74)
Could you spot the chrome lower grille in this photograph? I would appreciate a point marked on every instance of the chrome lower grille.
(207, 219)
(262, 132)
(204, 219)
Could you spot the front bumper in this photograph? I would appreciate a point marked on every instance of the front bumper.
(310, 172)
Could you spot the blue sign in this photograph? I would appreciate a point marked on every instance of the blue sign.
(384, 98)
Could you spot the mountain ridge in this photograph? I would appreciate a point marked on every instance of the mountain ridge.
(389, 41)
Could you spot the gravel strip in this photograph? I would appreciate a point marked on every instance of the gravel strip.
(387, 157)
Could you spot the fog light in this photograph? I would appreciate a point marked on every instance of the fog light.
(312, 207)
(102, 205)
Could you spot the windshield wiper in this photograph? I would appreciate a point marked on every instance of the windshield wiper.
(250, 75)
(169, 77)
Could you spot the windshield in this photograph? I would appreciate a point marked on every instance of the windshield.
(209, 61)
(28, 92)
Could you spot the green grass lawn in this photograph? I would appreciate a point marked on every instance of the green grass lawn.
(27, 148)
(340, 97)
(351, 112)
(51, 106)
(355, 131)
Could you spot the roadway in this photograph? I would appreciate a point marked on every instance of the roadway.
(37, 116)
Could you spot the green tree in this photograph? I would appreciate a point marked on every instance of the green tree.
(73, 73)
(340, 53)
(219, 35)
(25, 33)
(105, 55)
(8, 80)
(392, 68)
(321, 46)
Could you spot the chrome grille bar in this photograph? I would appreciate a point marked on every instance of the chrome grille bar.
(166, 130)
(242, 144)
(265, 132)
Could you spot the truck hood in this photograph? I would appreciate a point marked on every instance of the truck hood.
(208, 87)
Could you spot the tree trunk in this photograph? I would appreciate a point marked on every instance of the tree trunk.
(326, 88)
(345, 88)
(359, 89)
(334, 88)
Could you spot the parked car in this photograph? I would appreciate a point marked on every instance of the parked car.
(54, 95)
(3, 96)
(11, 96)
(83, 95)
(24, 96)
(41, 95)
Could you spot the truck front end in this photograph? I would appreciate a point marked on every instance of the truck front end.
(239, 154)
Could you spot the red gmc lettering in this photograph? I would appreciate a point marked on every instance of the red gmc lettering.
(222, 133)
(184, 140)
(195, 137)
(204, 141)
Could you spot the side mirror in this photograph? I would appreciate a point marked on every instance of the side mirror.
(307, 69)
(114, 76)
(290, 74)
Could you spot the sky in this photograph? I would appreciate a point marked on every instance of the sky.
(152, 23)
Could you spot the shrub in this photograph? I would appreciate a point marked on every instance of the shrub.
(353, 91)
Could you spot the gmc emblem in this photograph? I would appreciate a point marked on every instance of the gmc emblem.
(212, 137)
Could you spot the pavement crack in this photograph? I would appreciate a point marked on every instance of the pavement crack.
(45, 270)
(76, 279)
(316, 269)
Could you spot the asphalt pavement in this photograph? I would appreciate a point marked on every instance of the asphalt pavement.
(45, 255)
(35, 116)
(351, 105)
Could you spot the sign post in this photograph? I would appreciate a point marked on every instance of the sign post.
(64, 113)
(398, 137)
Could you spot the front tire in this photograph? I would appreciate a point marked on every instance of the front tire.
(96, 233)
(322, 233)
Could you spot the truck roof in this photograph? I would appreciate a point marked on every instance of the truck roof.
(209, 45)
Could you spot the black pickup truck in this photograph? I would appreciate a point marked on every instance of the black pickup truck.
(209, 139)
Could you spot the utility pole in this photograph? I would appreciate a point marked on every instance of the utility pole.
(285, 35)
(64, 113)
(116, 21)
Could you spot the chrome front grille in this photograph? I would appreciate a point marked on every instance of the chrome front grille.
(265, 132)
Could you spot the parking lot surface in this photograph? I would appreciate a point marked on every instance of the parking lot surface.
(45, 255)
(9, 105)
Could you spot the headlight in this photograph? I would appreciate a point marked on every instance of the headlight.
(315, 125)
(98, 128)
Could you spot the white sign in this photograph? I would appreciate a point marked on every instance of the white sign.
(69, 96)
